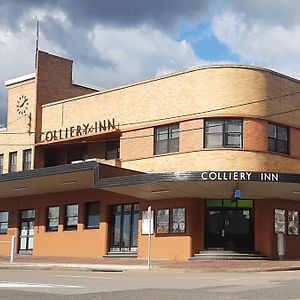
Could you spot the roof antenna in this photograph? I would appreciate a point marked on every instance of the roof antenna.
(37, 42)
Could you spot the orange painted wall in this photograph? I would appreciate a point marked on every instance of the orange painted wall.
(265, 237)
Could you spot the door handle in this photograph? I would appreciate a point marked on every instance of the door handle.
(223, 232)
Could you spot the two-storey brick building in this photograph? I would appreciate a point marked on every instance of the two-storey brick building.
(215, 152)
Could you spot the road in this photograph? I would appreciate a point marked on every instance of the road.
(38, 284)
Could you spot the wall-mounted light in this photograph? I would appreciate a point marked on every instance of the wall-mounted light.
(20, 188)
(160, 191)
(68, 182)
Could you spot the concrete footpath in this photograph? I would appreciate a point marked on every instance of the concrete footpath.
(120, 265)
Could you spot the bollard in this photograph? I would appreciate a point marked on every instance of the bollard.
(12, 249)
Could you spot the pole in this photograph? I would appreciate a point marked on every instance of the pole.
(12, 248)
(149, 238)
(37, 42)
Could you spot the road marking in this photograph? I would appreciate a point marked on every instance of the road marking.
(12, 284)
(79, 276)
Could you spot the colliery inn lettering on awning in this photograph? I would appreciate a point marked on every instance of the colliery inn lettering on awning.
(237, 176)
(77, 131)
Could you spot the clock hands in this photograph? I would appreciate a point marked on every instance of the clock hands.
(25, 101)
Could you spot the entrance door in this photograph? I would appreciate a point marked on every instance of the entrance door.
(229, 228)
(124, 228)
(27, 231)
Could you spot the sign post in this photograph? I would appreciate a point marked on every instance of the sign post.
(149, 212)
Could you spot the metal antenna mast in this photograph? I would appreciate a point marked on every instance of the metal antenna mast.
(37, 42)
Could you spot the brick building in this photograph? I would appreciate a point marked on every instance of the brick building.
(215, 152)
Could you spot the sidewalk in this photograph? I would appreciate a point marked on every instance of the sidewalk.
(119, 265)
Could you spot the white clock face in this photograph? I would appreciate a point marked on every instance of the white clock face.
(22, 105)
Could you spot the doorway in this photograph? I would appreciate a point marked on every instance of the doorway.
(229, 226)
(124, 228)
(27, 231)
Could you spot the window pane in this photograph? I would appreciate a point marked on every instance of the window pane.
(272, 130)
(174, 145)
(233, 140)
(113, 149)
(53, 212)
(4, 216)
(214, 140)
(93, 215)
(28, 214)
(233, 126)
(282, 146)
(174, 131)
(214, 126)
(72, 221)
(161, 147)
(72, 210)
(272, 146)
(161, 133)
(282, 133)
(3, 228)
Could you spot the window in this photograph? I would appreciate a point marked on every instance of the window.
(12, 162)
(92, 215)
(1, 163)
(53, 218)
(278, 138)
(3, 222)
(112, 149)
(224, 133)
(27, 160)
(166, 139)
(71, 217)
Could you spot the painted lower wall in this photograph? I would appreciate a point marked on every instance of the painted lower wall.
(95, 242)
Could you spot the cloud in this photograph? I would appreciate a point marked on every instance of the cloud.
(260, 43)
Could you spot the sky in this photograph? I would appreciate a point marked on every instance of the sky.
(116, 42)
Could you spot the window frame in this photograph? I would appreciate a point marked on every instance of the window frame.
(89, 204)
(66, 218)
(169, 138)
(276, 139)
(1, 163)
(225, 134)
(48, 228)
(27, 164)
(4, 222)
(12, 169)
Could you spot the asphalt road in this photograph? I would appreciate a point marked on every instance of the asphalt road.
(35, 284)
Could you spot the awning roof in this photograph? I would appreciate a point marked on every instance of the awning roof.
(151, 186)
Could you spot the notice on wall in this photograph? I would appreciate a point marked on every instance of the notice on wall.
(162, 221)
(279, 221)
(145, 222)
(178, 220)
(293, 222)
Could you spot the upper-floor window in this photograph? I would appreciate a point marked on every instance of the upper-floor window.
(1, 163)
(27, 160)
(53, 218)
(12, 162)
(71, 217)
(166, 139)
(112, 149)
(278, 138)
(3, 222)
(224, 133)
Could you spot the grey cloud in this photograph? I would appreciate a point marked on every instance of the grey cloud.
(74, 41)
(162, 14)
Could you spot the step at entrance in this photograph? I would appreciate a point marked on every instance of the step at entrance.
(121, 255)
(211, 255)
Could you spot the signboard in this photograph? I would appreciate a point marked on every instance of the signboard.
(145, 222)
(78, 130)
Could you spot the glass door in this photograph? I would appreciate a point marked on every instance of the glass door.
(124, 228)
(229, 225)
(27, 231)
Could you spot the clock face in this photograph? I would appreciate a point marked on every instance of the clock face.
(22, 105)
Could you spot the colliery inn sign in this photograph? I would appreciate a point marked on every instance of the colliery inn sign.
(78, 130)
